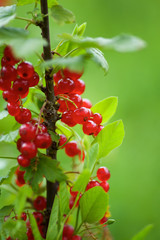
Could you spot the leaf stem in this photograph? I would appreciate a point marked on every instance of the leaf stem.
(26, 19)
(8, 158)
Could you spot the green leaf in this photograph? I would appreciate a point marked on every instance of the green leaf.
(3, 114)
(79, 31)
(20, 41)
(98, 57)
(7, 14)
(50, 169)
(143, 233)
(82, 181)
(121, 43)
(15, 229)
(73, 63)
(93, 205)
(62, 15)
(93, 154)
(55, 137)
(10, 137)
(109, 138)
(20, 202)
(7, 198)
(52, 232)
(51, 3)
(110, 221)
(63, 198)
(7, 179)
(106, 108)
(34, 227)
(61, 129)
(5, 211)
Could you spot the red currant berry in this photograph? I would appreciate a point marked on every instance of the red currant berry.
(103, 174)
(24, 95)
(39, 217)
(86, 103)
(19, 144)
(34, 80)
(65, 86)
(43, 140)
(62, 140)
(63, 106)
(20, 177)
(9, 238)
(30, 234)
(4, 62)
(24, 216)
(9, 73)
(23, 161)
(105, 186)
(81, 156)
(103, 220)
(40, 203)
(5, 84)
(67, 118)
(10, 58)
(76, 237)
(20, 87)
(28, 149)
(92, 184)
(77, 101)
(13, 110)
(68, 231)
(72, 75)
(23, 116)
(99, 128)
(79, 87)
(25, 70)
(72, 149)
(97, 118)
(27, 132)
(10, 96)
(89, 127)
(74, 194)
(41, 128)
(80, 115)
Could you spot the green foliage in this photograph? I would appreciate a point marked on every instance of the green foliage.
(24, 2)
(15, 229)
(79, 30)
(62, 129)
(106, 108)
(7, 14)
(82, 181)
(53, 222)
(98, 57)
(3, 114)
(22, 195)
(93, 154)
(121, 43)
(93, 205)
(9, 137)
(109, 138)
(63, 199)
(7, 198)
(23, 45)
(143, 233)
(7, 179)
(34, 227)
(62, 15)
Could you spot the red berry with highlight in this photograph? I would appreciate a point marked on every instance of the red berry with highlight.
(9, 56)
(23, 116)
(97, 118)
(86, 103)
(103, 174)
(13, 109)
(76, 237)
(25, 70)
(68, 231)
(9, 73)
(65, 86)
(27, 132)
(79, 87)
(80, 115)
(34, 80)
(43, 140)
(92, 184)
(103, 220)
(71, 74)
(89, 127)
(67, 118)
(5, 84)
(23, 161)
(40, 203)
(10, 96)
(19, 144)
(99, 129)
(62, 140)
(28, 149)
(39, 217)
(20, 86)
(105, 186)
(72, 149)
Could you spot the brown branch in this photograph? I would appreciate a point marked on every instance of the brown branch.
(50, 112)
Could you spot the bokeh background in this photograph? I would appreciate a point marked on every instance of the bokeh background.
(134, 78)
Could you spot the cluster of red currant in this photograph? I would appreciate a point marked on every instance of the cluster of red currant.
(103, 174)
(39, 205)
(74, 109)
(15, 80)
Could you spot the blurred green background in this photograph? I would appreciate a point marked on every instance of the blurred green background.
(134, 78)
